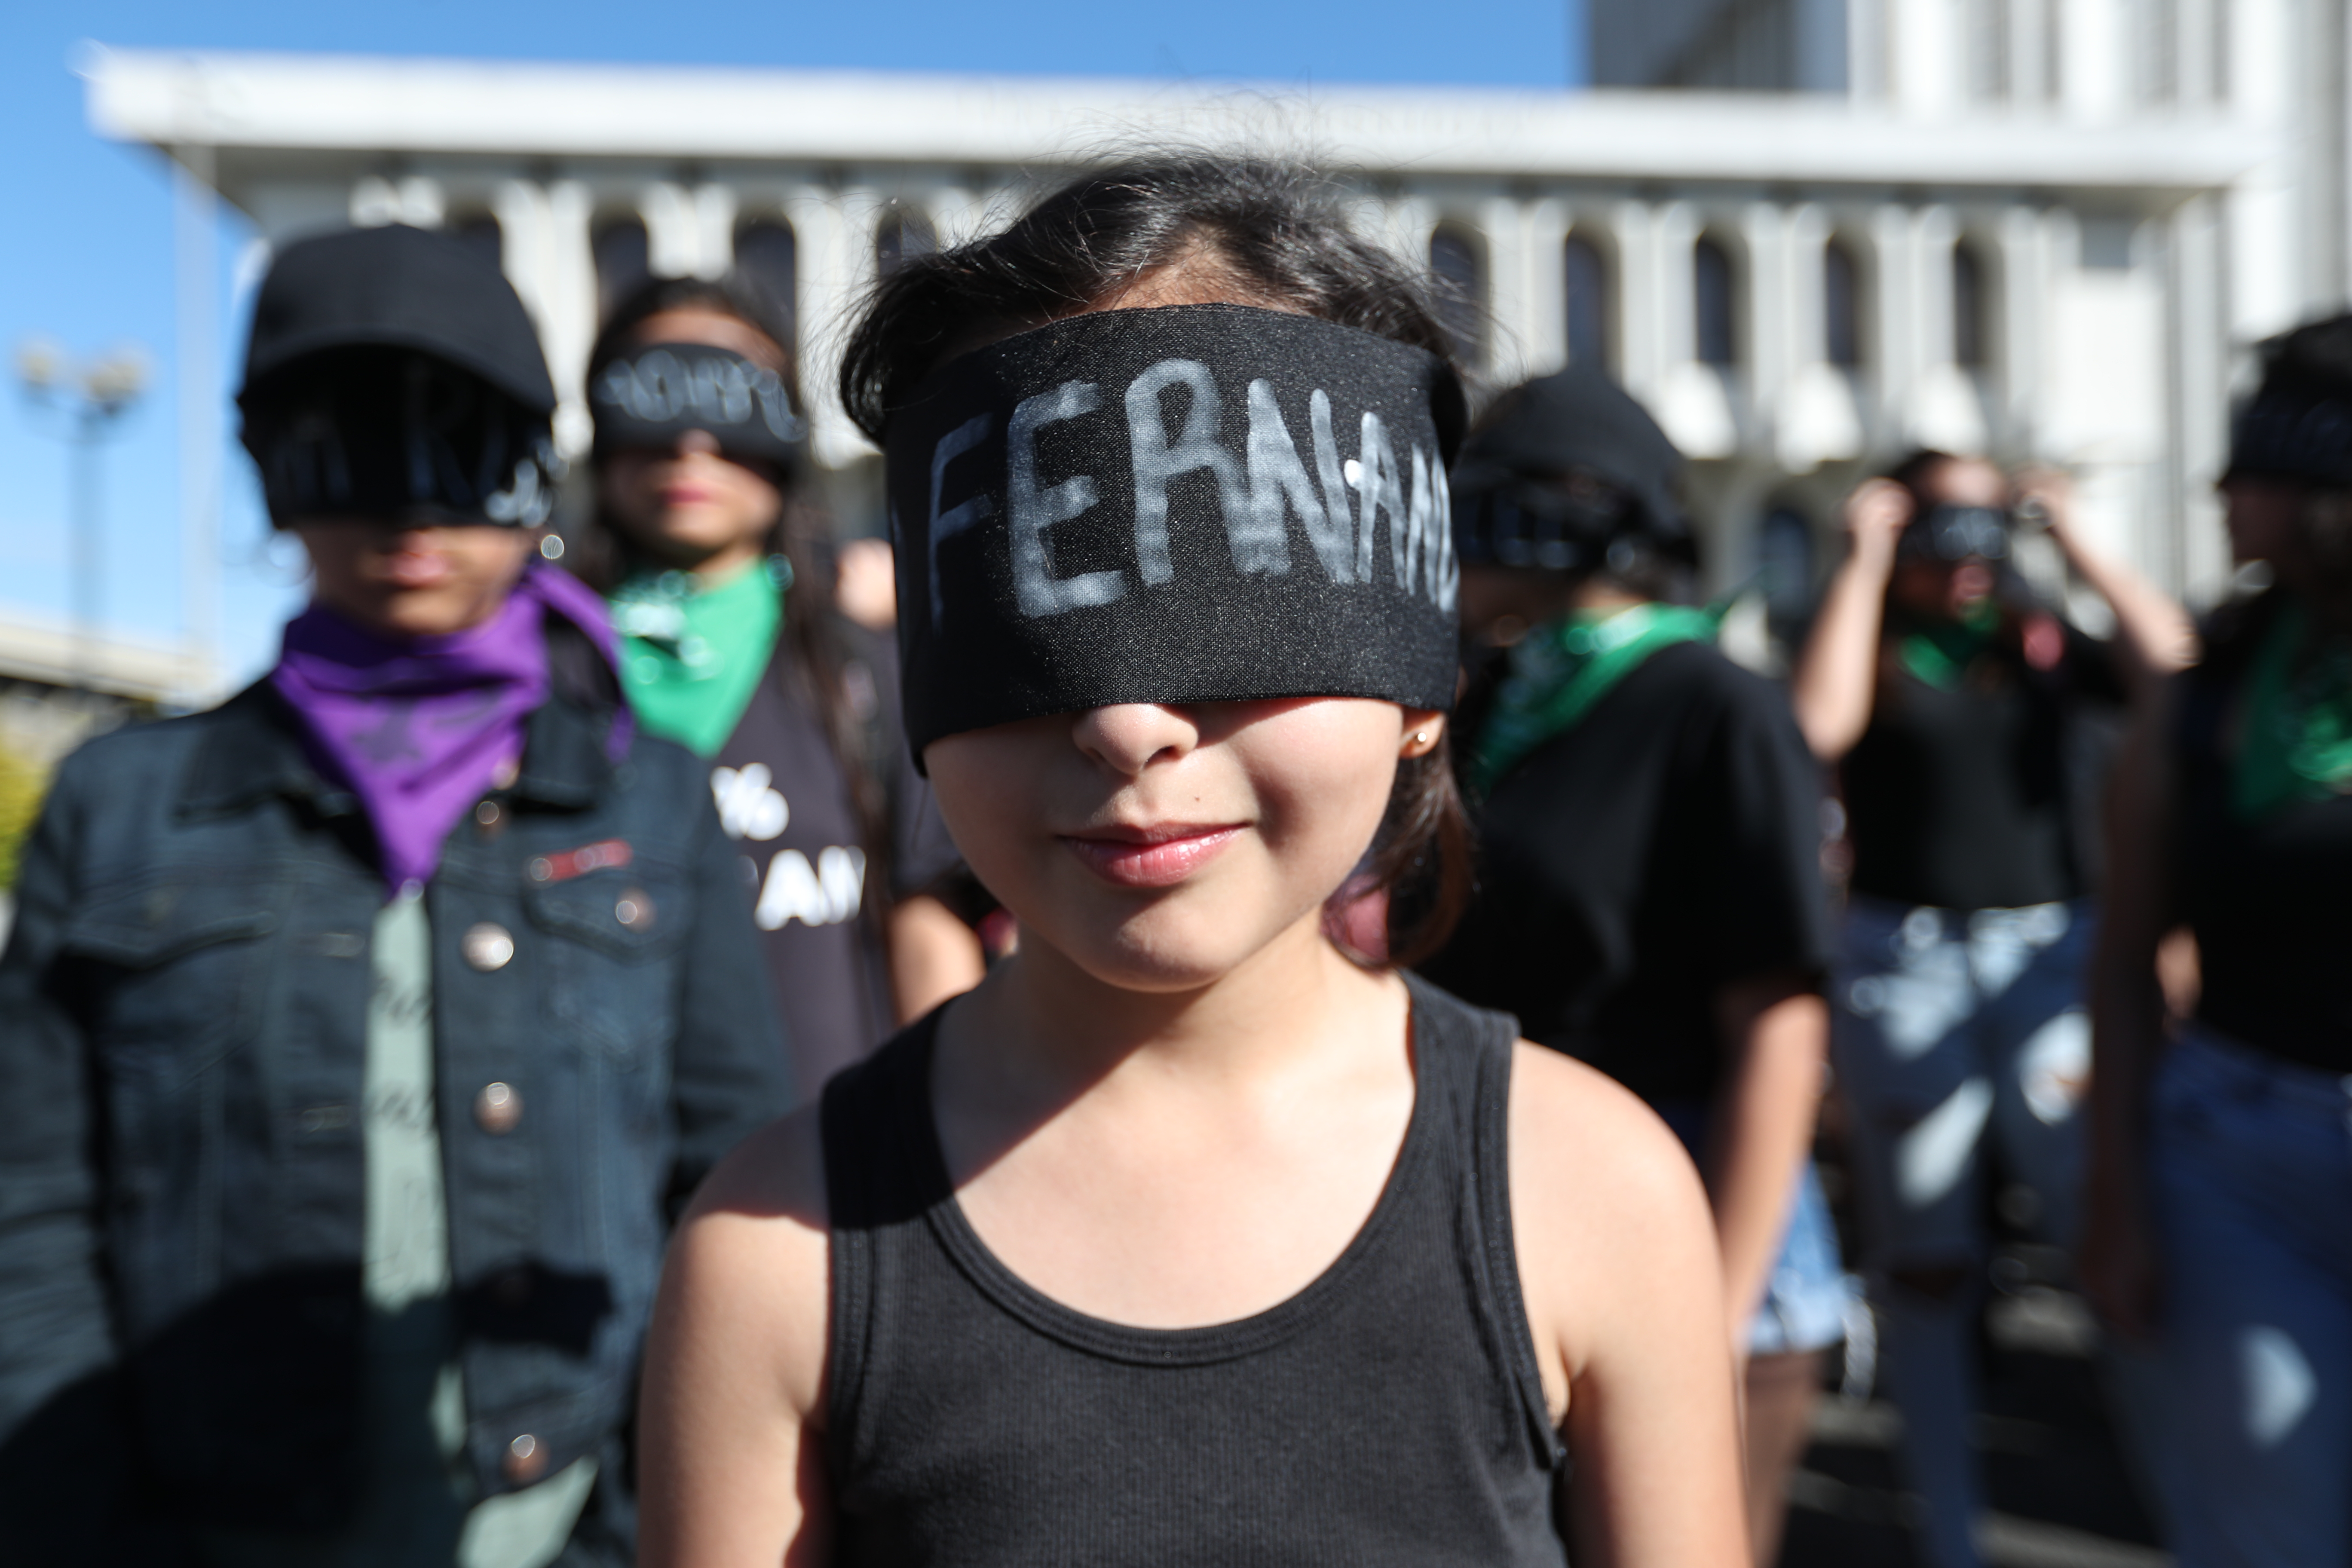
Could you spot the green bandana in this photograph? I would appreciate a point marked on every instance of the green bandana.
(691, 656)
(1560, 669)
(2298, 744)
(1939, 653)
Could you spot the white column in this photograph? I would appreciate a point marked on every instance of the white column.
(2197, 561)
(1512, 344)
(2031, 71)
(193, 214)
(1927, 58)
(1894, 322)
(570, 320)
(673, 230)
(833, 257)
(1643, 343)
(2023, 327)
(1766, 305)
(714, 229)
(1544, 225)
(2094, 56)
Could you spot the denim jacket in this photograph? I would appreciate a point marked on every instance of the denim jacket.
(183, 1037)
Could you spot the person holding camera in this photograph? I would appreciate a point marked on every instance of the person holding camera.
(1944, 693)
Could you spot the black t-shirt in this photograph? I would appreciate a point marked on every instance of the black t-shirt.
(1968, 799)
(2268, 901)
(1629, 869)
(783, 795)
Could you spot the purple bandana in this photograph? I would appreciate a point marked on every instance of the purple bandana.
(419, 728)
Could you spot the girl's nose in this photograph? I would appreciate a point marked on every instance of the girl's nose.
(1128, 737)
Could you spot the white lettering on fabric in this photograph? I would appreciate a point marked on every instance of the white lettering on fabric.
(750, 806)
(1382, 488)
(1034, 587)
(1275, 474)
(1431, 511)
(831, 891)
(964, 513)
(1157, 462)
(1334, 543)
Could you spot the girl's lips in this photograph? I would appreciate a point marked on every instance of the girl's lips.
(1150, 857)
(688, 495)
(415, 568)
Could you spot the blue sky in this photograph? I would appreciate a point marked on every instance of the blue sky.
(89, 258)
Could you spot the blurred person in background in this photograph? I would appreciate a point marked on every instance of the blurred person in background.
(2219, 1195)
(1649, 825)
(1945, 695)
(364, 1034)
(722, 581)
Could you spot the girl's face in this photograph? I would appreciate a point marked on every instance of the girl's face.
(2263, 516)
(404, 581)
(1949, 590)
(1158, 845)
(687, 506)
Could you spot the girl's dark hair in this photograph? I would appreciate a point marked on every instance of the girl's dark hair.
(822, 661)
(1278, 233)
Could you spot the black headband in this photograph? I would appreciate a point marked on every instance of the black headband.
(1173, 505)
(2294, 432)
(654, 396)
(396, 433)
(1947, 532)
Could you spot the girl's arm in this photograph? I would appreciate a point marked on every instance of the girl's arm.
(2117, 1261)
(1836, 677)
(733, 1395)
(1618, 1268)
(2153, 634)
(1776, 1028)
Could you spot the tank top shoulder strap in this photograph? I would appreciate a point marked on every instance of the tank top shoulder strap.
(882, 1174)
(1466, 1056)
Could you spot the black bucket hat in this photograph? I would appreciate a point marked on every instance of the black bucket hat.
(395, 288)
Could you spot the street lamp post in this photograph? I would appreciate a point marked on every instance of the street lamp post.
(91, 399)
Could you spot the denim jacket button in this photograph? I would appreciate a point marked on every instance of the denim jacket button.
(526, 1458)
(487, 946)
(635, 910)
(497, 1107)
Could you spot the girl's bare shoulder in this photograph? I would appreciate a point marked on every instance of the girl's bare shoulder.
(748, 1268)
(1609, 1218)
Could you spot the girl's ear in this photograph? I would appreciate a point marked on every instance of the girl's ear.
(1422, 729)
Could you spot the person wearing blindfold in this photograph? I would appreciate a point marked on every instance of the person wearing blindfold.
(720, 571)
(363, 1033)
(1648, 822)
(1191, 1234)
(2219, 1233)
(1947, 699)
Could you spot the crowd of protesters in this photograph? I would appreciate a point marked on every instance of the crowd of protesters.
(524, 1082)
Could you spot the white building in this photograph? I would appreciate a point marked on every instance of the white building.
(2042, 229)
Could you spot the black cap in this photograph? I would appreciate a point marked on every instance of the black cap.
(1574, 462)
(397, 286)
(2298, 424)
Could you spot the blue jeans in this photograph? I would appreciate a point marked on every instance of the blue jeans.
(1804, 1307)
(1951, 1028)
(2251, 1165)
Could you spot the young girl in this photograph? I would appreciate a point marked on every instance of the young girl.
(1189, 1236)
(720, 578)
